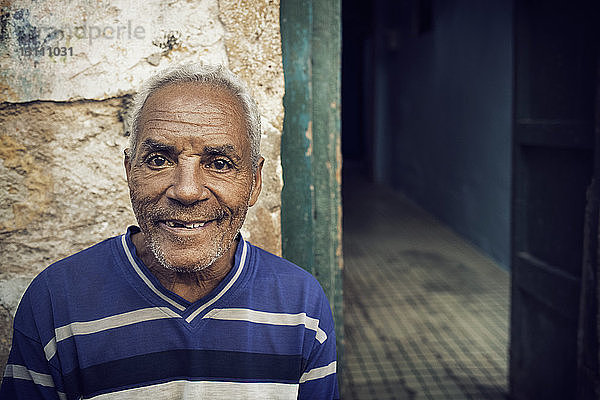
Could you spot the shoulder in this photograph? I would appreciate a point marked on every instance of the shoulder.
(68, 280)
(84, 264)
(76, 264)
(273, 267)
(287, 287)
(96, 254)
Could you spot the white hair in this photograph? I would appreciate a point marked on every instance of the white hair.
(215, 75)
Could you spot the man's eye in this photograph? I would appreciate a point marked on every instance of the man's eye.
(157, 161)
(220, 165)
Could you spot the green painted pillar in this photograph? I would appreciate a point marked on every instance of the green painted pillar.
(311, 211)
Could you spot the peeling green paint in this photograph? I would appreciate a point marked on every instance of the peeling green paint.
(310, 149)
(297, 196)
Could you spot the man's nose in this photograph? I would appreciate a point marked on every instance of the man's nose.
(189, 183)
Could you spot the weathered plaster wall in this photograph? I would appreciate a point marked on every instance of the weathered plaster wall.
(63, 131)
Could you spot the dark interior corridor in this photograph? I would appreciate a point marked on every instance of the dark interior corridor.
(469, 139)
(426, 184)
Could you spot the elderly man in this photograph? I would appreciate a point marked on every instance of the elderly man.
(181, 307)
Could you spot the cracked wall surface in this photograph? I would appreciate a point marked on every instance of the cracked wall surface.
(62, 136)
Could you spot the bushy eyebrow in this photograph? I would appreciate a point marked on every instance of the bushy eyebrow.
(151, 146)
(225, 150)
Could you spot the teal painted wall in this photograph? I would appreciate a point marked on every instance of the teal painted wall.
(443, 114)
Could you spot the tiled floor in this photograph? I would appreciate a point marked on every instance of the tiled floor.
(426, 313)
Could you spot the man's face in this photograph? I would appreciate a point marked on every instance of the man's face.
(190, 179)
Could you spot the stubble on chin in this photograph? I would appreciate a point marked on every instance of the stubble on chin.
(208, 253)
(212, 254)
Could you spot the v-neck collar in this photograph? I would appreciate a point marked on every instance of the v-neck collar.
(160, 295)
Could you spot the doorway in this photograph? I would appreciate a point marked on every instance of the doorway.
(481, 115)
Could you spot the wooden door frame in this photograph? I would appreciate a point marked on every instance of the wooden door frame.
(588, 344)
(311, 214)
(549, 287)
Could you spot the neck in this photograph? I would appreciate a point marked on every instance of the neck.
(192, 286)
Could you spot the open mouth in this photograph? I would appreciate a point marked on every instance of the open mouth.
(184, 225)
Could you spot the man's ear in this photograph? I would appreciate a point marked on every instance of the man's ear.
(257, 184)
(127, 162)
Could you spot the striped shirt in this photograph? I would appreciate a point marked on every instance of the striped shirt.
(99, 325)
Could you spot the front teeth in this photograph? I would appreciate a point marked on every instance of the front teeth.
(173, 224)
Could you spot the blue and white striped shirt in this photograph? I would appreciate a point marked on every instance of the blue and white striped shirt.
(99, 325)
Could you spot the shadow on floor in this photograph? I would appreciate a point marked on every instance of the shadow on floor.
(425, 312)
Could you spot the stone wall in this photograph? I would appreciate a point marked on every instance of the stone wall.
(63, 125)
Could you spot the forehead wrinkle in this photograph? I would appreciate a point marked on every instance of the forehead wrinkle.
(212, 119)
(203, 124)
(183, 115)
(209, 113)
(207, 108)
(214, 104)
